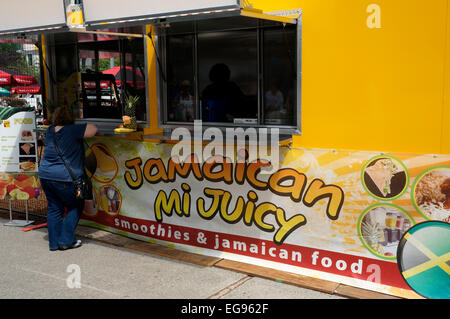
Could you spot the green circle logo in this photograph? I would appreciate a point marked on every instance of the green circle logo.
(430, 193)
(423, 258)
(380, 228)
(385, 177)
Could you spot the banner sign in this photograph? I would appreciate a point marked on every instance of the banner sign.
(18, 155)
(18, 148)
(336, 215)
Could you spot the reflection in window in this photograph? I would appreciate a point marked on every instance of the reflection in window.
(118, 67)
(238, 73)
(228, 76)
(180, 75)
(280, 75)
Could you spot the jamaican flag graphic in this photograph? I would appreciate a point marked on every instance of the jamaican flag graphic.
(424, 259)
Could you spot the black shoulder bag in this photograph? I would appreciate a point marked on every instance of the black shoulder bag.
(83, 186)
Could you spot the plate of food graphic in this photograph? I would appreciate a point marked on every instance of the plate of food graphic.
(27, 164)
(26, 136)
(385, 177)
(431, 193)
(100, 163)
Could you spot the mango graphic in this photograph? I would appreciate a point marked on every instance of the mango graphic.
(105, 162)
(100, 163)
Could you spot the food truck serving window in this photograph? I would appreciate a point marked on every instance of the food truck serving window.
(94, 74)
(112, 68)
(229, 71)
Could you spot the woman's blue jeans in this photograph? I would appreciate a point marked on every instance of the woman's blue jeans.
(60, 195)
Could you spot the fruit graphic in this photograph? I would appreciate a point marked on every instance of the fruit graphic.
(5, 178)
(2, 191)
(19, 194)
(101, 164)
(10, 188)
(372, 234)
(30, 191)
(20, 187)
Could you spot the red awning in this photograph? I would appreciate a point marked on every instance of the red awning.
(140, 82)
(25, 79)
(116, 71)
(10, 77)
(5, 78)
(89, 54)
(26, 90)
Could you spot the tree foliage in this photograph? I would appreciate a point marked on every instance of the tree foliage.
(12, 58)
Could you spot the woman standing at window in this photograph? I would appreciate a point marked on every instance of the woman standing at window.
(56, 181)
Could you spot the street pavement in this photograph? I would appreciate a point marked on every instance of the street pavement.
(28, 270)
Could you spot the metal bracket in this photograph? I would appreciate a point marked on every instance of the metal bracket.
(18, 222)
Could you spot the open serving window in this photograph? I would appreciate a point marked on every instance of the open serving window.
(219, 61)
(93, 73)
(229, 71)
(111, 68)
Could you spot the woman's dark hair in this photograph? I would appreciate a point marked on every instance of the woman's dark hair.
(62, 115)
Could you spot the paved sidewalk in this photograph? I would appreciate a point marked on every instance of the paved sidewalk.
(29, 270)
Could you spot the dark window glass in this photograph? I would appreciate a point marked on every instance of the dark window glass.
(280, 75)
(226, 24)
(228, 75)
(232, 70)
(134, 75)
(180, 79)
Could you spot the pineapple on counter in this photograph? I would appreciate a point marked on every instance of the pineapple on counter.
(130, 111)
(129, 119)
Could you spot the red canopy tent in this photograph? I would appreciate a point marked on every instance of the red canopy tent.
(140, 82)
(5, 78)
(116, 71)
(10, 77)
(25, 79)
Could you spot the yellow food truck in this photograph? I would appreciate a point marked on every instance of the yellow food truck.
(350, 98)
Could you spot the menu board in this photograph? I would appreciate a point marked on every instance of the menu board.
(18, 146)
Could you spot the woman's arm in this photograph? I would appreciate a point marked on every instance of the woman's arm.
(90, 131)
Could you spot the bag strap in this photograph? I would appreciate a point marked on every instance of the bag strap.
(60, 155)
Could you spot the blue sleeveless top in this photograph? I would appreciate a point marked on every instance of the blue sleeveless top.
(70, 143)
